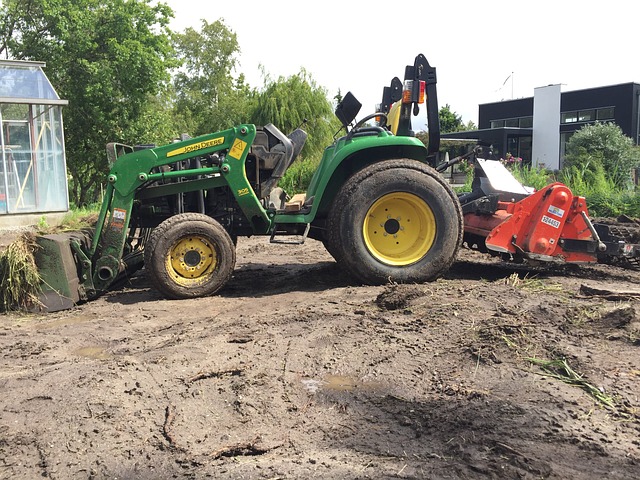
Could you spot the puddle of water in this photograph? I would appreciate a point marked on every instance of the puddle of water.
(96, 353)
(336, 383)
(340, 383)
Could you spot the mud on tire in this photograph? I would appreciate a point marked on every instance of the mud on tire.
(189, 255)
(396, 220)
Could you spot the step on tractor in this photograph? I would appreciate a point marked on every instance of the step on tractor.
(377, 202)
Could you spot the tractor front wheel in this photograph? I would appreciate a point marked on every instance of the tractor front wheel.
(396, 220)
(189, 255)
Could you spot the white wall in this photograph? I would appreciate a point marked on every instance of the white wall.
(546, 127)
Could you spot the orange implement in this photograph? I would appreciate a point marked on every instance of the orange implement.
(549, 225)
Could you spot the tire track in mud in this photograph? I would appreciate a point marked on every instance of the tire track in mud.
(294, 371)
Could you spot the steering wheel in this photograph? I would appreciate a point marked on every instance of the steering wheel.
(357, 126)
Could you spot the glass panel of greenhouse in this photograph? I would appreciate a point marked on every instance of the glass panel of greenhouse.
(32, 157)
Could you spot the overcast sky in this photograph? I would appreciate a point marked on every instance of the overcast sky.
(484, 51)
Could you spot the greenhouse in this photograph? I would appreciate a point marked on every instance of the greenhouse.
(32, 155)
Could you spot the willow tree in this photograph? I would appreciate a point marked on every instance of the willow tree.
(291, 102)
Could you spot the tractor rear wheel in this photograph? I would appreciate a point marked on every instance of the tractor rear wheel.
(396, 220)
(189, 255)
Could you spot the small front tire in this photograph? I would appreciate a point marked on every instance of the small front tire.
(189, 255)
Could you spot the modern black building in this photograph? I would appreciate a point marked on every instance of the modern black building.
(510, 125)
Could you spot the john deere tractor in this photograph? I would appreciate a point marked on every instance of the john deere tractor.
(376, 202)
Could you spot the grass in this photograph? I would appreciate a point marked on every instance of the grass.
(533, 177)
(19, 275)
(604, 197)
(18, 271)
(560, 370)
(75, 220)
(532, 284)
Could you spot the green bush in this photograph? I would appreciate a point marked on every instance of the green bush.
(590, 180)
(298, 176)
(603, 148)
(613, 204)
(533, 176)
(604, 197)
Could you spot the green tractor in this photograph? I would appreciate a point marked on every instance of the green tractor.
(376, 202)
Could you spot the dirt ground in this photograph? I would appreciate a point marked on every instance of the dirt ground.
(294, 371)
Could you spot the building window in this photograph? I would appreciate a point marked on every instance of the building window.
(521, 122)
(564, 138)
(526, 122)
(569, 117)
(604, 113)
(590, 115)
(586, 115)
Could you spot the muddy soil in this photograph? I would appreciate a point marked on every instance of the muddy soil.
(295, 371)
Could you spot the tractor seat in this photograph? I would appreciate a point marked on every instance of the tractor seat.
(275, 152)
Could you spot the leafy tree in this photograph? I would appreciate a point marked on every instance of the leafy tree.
(450, 121)
(208, 96)
(467, 127)
(109, 58)
(289, 102)
(602, 147)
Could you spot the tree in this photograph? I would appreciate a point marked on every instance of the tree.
(603, 146)
(109, 58)
(450, 121)
(289, 102)
(208, 96)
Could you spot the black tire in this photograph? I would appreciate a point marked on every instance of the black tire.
(370, 233)
(189, 255)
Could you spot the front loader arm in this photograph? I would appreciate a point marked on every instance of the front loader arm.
(131, 173)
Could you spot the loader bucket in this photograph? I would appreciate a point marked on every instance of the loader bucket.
(60, 270)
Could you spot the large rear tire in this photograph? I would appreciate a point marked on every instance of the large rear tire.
(189, 255)
(396, 220)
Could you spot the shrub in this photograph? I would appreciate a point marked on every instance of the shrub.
(298, 176)
(535, 177)
(603, 145)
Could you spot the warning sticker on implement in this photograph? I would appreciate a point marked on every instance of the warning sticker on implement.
(550, 221)
(558, 212)
(238, 149)
(119, 216)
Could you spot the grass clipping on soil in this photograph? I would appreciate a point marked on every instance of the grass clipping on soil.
(19, 275)
(560, 370)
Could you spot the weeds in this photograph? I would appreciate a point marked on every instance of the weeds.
(560, 370)
(76, 220)
(533, 177)
(532, 284)
(580, 316)
(19, 275)
(604, 197)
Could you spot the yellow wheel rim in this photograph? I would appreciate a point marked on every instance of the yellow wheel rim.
(191, 260)
(399, 229)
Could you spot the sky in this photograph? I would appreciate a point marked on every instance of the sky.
(484, 51)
